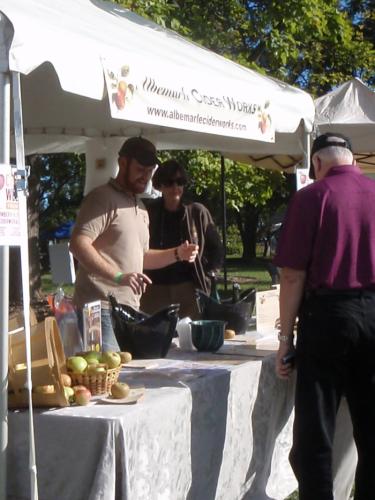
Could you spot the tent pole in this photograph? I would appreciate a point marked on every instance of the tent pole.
(224, 229)
(22, 201)
(306, 149)
(4, 289)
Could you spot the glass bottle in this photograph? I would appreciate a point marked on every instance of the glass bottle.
(236, 289)
(214, 291)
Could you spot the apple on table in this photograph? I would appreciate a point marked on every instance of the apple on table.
(120, 390)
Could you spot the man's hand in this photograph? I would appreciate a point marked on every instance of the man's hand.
(137, 282)
(188, 251)
(284, 371)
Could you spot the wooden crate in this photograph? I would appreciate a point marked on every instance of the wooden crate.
(16, 319)
(47, 365)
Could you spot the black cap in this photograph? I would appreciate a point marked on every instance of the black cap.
(141, 150)
(324, 141)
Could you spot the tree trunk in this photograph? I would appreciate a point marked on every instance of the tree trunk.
(34, 278)
(33, 225)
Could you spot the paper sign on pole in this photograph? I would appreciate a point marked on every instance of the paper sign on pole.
(302, 177)
(10, 233)
(175, 99)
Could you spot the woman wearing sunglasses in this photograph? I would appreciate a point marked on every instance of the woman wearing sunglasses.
(172, 223)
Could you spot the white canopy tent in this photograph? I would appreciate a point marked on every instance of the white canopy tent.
(62, 55)
(93, 73)
(348, 109)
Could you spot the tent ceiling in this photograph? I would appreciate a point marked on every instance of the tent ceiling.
(59, 48)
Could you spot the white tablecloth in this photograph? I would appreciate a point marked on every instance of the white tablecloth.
(220, 429)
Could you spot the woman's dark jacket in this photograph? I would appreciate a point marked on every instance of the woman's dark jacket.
(197, 227)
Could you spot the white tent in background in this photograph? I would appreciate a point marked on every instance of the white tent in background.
(93, 73)
(350, 110)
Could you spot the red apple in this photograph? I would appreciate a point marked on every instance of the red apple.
(78, 387)
(82, 396)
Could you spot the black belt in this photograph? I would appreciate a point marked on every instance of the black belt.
(354, 292)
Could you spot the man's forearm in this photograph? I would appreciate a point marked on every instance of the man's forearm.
(292, 283)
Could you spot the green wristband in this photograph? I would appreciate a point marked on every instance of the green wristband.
(118, 277)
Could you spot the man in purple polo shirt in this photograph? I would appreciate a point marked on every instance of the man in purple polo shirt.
(327, 255)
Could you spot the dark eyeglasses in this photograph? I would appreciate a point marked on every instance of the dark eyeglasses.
(170, 182)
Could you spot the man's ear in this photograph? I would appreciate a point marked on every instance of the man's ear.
(123, 161)
(318, 166)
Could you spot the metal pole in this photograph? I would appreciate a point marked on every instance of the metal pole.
(22, 200)
(4, 289)
(224, 214)
(306, 150)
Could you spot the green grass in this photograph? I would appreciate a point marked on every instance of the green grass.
(49, 287)
(248, 275)
(252, 275)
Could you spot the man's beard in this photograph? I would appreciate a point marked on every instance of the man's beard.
(131, 186)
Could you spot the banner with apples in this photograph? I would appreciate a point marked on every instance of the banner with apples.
(170, 97)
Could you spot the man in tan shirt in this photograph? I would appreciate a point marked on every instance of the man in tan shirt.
(110, 238)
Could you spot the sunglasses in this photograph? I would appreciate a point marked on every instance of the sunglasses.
(179, 181)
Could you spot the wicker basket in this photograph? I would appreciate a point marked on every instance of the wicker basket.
(99, 383)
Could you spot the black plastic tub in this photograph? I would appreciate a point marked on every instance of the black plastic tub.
(144, 336)
(237, 315)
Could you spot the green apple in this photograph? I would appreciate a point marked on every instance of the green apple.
(100, 369)
(111, 359)
(76, 364)
(69, 394)
(120, 390)
(92, 357)
(95, 368)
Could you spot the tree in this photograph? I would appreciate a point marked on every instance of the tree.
(55, 193)
(314, 44)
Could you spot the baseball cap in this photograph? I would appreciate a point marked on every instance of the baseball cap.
(324, 141)
(141, 150)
